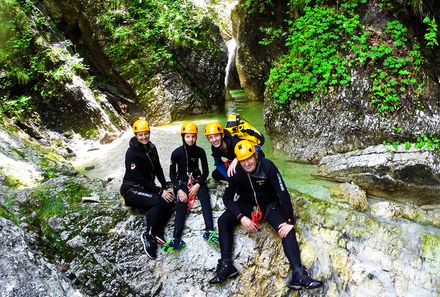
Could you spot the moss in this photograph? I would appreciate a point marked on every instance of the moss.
(17, 153)
(431, 246)
(53, 201)
(393, 238)
(7, 214)
(11, 182)
(88, 132)
(49, 167)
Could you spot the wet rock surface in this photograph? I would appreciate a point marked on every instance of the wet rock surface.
(403, 174)
(23, 272)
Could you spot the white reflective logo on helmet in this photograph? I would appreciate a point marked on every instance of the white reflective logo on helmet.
(132, 165)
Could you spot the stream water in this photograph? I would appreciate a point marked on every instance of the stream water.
(107, 161)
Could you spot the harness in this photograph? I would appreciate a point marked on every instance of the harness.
(256, 214)
(191, 198)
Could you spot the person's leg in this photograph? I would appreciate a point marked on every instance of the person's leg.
(180, 219)
(205, 201)
(274, 216)
(300, 278)
(166, 215)
(226, 224)
(225, 268)
(154, 204)
(159, 211)
(217, 175)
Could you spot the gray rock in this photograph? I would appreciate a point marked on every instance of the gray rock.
(382, 171)
(56, 223)
(351, 194)
(23, 272)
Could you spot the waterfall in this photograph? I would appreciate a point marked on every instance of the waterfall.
(232, 49)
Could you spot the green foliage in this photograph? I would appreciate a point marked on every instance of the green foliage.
(6, 213)
(315, 62)
(253, 6)
(141, 35)
(327, 42)
(51, 202)
(432, 31)
(429, 142)
(31, 68)
(271, 33)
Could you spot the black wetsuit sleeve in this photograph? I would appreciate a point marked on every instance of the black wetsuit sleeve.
(282, 193)
(205, 168)
(173, 170)
(228, 198)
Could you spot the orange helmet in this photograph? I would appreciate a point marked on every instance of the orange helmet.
(189, 127)
(141, 126)
(213, 128)
(244, 149)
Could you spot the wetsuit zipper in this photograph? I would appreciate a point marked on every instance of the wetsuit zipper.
(253, 190)
(152, 165)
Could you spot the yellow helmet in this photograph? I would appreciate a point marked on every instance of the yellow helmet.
(213, 128)
(243, 150)
(189, 127)
(141, 126)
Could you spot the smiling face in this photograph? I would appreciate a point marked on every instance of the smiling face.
(143, 137)
(215, 139)
(249, 164)
(190, 138)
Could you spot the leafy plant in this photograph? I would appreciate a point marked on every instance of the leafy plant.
(432, 31)
(327, 42)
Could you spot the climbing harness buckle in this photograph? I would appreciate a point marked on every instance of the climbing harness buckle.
(191, 198)
(256, 215)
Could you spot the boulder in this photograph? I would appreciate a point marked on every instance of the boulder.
(351, 194)
(24, 272)
(411, 175)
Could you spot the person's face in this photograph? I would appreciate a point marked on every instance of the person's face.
(143, 137)
(249, 164)
(190, 138)
(215, 139)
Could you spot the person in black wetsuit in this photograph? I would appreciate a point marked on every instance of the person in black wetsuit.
(189, 182)
(262, 195)
(142, 167)
(222, 146)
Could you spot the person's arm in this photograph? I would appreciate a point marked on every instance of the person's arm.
(205, 169)
(282, 193)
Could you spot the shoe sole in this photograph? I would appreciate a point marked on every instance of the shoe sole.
(169, 250)
(299, 287)
(234, 275)
(296, 288)
(148, 254)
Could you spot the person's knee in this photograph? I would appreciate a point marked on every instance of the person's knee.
(226, 221)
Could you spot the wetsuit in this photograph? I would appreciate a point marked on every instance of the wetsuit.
(264, 187)
(220, 173)
(186, 159)
(138, 188)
